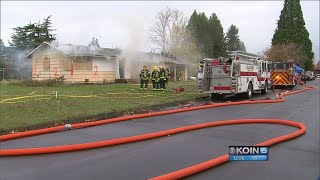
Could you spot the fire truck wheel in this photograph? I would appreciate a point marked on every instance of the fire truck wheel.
(249, 92)
(216, 96)
(265, 89)
(291, 87)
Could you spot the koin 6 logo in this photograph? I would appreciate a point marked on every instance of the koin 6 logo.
(232, 150)
(248, 150)
(264, 150)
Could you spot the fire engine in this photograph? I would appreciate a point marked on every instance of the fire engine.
(285, 74)
(242, 73)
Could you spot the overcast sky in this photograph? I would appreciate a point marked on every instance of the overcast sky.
(121, 24)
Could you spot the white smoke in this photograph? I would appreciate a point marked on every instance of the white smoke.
(21, 61)
(131, 55)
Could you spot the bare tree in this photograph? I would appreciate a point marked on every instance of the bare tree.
(168, 29)
(187, 49)
(284, 52)
(169, 32)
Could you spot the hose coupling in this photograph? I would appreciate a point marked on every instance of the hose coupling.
(68, 126)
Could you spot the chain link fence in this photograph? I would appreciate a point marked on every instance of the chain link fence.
(9, 74)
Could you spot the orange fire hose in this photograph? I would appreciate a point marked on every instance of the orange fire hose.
(125, 118)
(225, 158)
(174, 175)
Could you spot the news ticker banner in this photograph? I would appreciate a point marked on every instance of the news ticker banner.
(248, 153)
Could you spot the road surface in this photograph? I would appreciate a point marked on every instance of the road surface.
(297, 159)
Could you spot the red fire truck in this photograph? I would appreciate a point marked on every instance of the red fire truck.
(242, 73)
(285, 74)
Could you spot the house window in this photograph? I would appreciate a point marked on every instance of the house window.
(82, 64)
(67, 64)
(46, 64)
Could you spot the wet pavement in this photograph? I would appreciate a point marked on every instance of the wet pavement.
(297, 159)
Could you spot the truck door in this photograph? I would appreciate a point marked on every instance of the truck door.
(204, 75)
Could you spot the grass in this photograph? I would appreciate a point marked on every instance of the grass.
(33, 107)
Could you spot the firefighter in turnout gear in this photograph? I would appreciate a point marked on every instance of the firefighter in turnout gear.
(162, 78)
(167, 75)
(155, 77)
(144, 78)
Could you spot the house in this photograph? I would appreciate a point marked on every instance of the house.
(317, 68)
(79, 64)
(76, 63)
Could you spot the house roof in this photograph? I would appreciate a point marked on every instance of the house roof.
(175, 61)
(161, 58)
(79, 50)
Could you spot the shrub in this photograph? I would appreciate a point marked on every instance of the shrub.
(37, 83)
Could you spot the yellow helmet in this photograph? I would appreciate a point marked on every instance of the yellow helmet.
(155, 67)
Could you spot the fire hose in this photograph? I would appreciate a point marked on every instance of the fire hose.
(174, 175)
(115, 95)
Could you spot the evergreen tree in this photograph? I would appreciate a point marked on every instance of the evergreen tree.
(33, 34)
(217, 43)
(192, 25)
(46, 29)
(209, 35)
(204, 34)
(291, 29)
(198, 26)
(232, 38)
(242, 47)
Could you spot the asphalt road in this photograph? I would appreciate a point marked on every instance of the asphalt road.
(297, 159)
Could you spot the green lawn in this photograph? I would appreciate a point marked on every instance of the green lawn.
(31, 106)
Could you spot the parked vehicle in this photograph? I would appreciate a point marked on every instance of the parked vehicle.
(304, 78)
(318, 76)
(242, 73)
(310, 75)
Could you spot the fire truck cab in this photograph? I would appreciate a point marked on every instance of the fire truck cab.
(241, 73)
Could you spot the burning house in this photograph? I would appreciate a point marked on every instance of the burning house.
(80, 64)
(76, 63)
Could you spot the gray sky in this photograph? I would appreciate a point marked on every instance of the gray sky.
(122, 24)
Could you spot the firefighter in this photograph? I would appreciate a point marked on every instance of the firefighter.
(167, 75)
(144, 78)
(155, 77)
(162, 81)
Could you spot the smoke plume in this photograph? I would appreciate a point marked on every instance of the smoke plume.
(131, 53)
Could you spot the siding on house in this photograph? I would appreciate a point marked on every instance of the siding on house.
(48, 63)
(81, 76)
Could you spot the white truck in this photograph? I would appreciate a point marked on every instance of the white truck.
(242, 73)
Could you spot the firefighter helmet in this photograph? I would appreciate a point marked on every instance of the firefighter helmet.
(155, 67)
